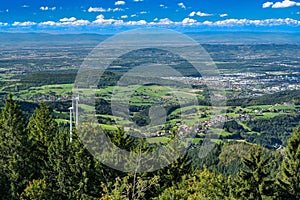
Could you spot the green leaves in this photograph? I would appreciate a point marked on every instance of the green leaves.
(254, 180)
(41, 131)
(13, 150)
(289, 181)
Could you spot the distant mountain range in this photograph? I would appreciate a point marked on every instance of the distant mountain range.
(32, 39)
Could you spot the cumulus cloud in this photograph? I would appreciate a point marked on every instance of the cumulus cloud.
(71, 19)
(80, 22)
(285, 4)
(200, 14)
(119, 3)
(136, 23)
(48, 23)
(163, 6)
(100, 20)
(96, 9)
(100, 9)
(165, 21)
(223, 15)
(282, 4)
(188, 21)
(28, 23)
(114, 9)
(181, 5)
(267, 4)
(45, 8)
(248, 22)
(3, 24)
(138, 0)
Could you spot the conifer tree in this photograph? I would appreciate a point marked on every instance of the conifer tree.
(198, 185)
(254, 182)
(72, 169)
(13, 160)
(42, 129)
(289, 182)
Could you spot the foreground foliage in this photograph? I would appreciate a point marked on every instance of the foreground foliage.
(37, 161)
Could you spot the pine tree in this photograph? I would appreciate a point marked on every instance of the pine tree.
(289, 181)
(254, 182)
(198, 185)
(13, 160)
(42, 129)
(72, 170)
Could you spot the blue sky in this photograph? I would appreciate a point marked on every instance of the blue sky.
(89, 15)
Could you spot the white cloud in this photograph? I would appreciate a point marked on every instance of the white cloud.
(200, 14)
(188, 21)
(247, 22)
(28, 23)
(133, 15)
(119, 3)
(192, 14)
(283, 4)
(223, 15)
(165, 21)
(71, 19)
(298, 13)
(45, 8)
(163, 6)
(143, 12)
(95, 9)
(3, 24)
(48, 23)
(100, 20)
(135, 23)
(267, 4)
(100, 9)
(80, 22)
(25, 6)
(116, 9)
(6, 10)
(209, 23)
(181, 5)
(138, 0)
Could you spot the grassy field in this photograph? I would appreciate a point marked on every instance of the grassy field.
(148, 95)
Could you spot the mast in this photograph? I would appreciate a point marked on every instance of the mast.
(71, 121)
(76, 112)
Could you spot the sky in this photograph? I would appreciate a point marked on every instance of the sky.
(114, 15)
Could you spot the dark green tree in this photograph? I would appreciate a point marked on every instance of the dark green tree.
(289, 181)
(13, 150)
(254, 182)
(73, 172)
(198, 185)
(41, 128)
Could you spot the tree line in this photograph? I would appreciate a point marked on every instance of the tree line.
(37, 161)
